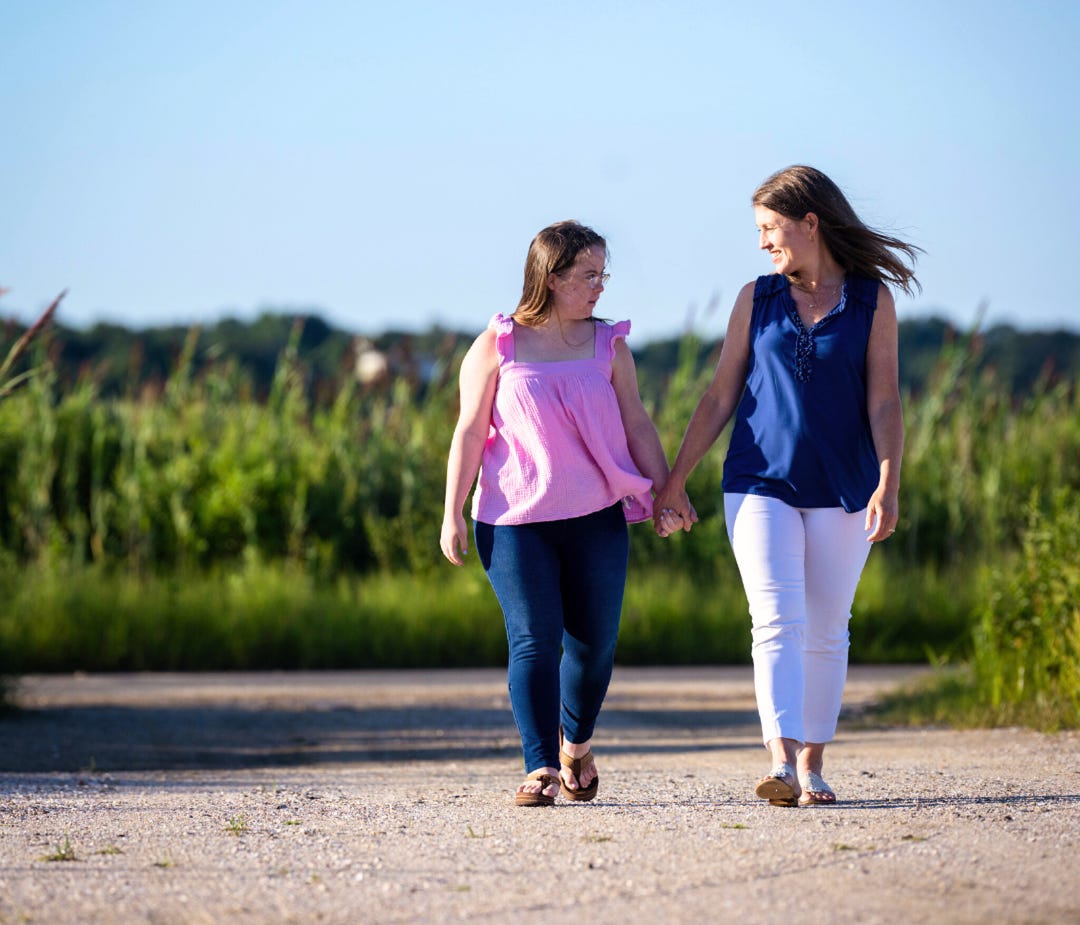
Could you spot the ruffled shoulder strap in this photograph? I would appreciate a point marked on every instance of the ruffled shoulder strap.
(864, 290)
(504, 336)
(607, 332)
(769, 284)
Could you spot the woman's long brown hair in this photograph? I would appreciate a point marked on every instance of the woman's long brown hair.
(795, 191)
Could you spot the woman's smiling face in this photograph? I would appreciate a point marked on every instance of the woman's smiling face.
(787, 240)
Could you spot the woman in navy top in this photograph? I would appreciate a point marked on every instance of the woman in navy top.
(809, 370)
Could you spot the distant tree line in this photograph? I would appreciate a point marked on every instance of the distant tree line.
(1022, 361)
(124, 361)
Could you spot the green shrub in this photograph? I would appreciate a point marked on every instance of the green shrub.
(1024, 665)
(194, 526)
(1026, 657)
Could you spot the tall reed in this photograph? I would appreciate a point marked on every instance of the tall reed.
(142, 500)
(1026, 659)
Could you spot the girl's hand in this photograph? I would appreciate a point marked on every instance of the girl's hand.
(673, 501)
(454, 539)
(667, 522)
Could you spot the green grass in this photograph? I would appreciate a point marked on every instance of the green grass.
(265, 616)
(258, 616)
(1023, 667)
(238, 825)
(65, 851)
(196, 528)
(914, 613)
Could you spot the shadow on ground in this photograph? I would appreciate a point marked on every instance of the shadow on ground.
(131, 738)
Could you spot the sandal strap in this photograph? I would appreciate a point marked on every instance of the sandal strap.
(576, 764)
(784, 772)
(546, 780)
(815, 783)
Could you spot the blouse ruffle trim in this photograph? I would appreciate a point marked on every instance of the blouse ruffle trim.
(504, 336)
(620, 329)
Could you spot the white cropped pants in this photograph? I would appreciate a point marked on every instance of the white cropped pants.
(800, 568)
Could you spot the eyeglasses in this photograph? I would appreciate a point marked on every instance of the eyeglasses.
(596, 280)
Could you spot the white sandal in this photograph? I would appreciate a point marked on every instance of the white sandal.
(815, 792)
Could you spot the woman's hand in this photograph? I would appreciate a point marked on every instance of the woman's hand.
(709, 419)
(672, 509)
(454, 539)
(667, 522)
(882, 515)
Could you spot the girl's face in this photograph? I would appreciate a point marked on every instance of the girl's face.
(578, 289)
(786, 240)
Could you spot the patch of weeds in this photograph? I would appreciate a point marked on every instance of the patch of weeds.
(840, 846)
(238, 825)
(461, 888)
(473, 834)
(597, 838)
(292, 822)
(914, 838)
(65, 851)
(733, 825)
(109, 849)
(164, 863)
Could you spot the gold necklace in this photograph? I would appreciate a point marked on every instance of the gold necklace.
(570, 343)
(812, 294)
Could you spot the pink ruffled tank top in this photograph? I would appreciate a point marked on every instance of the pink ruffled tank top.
(556, 448)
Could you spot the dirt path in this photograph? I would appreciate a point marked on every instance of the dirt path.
(377, 797)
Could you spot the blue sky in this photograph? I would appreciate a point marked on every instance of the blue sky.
(386, 165)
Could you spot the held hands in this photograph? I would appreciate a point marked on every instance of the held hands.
(672, 510)
(666, 522)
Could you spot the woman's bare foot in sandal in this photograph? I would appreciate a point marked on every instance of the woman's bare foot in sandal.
(580, 779)
(815, 792)
(539, 788)
(781, 785)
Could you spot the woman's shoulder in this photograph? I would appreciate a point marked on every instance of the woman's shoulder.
(498, 337)
(769, 284)
(490, 346)
(483, 345)
(867, 291)
(611, 337)
(613, 328)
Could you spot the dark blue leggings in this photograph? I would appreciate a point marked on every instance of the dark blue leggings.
(560, 585)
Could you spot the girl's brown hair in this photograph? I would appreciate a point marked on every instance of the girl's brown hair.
(795, 191)
(553, 250)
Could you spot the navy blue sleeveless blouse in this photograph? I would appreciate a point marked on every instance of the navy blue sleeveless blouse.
(801, 431)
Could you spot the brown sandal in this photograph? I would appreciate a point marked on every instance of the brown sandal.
(576, 766)
(779, 786)
(528, 798)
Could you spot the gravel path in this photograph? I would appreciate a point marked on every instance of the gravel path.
(378, 797)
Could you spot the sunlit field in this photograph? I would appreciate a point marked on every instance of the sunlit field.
(194, 527)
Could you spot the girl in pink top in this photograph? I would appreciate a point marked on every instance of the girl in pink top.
(552, 423)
